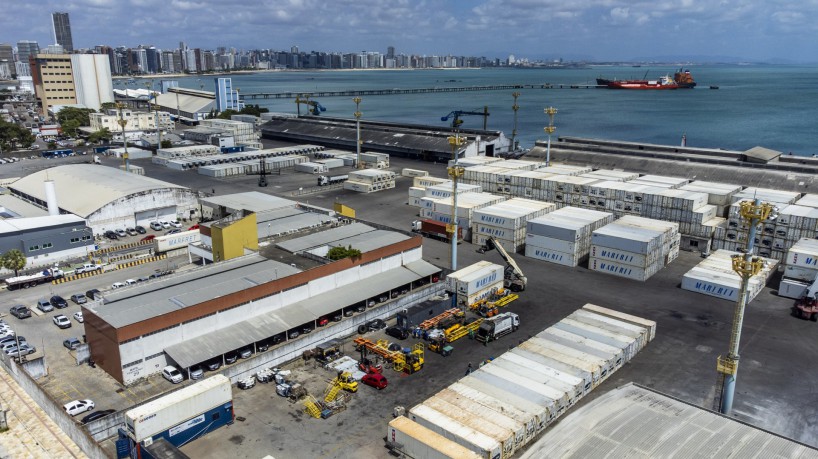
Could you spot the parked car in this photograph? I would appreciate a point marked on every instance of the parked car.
(245, 352)
(78, 406)
(93, 294)
(87, 268)
(196, 372)
(175, 223)
(130, 281)
(306, 329)
(24, 349)
(140, 229)
(19, 311)
(376, 380)
(58, 302)
(165, 224)
(117, 285)
(262, 346)
(61, 321)
(79, 298)
(156, 226)
(149, 237)
(194, 227)
(111, 235)
(293, 334)
(131, 232)
(397, 332)
(246, 383)
(213, 365)
(12, 339)
(322, 321)
(44, 305)
(231, 357)
(172, 374)
(78, 317)
(96, 415)
(72, 343)
(376, 324)
(174, 231)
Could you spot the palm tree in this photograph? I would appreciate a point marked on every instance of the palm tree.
(13, 260)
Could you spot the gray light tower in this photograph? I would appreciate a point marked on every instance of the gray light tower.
(357, 116)
(550, 111)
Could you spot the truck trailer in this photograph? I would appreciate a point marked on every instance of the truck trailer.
(493, 328)
(30, 280)
(435, 230)
(324, 180)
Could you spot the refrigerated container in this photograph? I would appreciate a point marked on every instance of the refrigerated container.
(420, 442)
(625, 317)
(485, 446)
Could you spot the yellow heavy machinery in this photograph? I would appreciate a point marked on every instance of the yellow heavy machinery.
(312, 407)
(344, 381)
(410, 362)
(463, 330)
(445, 318)
(490, 306)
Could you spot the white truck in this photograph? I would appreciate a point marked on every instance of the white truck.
(323, 180)
(493, 328)
(87, 268)
(30, 280)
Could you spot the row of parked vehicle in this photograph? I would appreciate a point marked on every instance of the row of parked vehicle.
(13, 345)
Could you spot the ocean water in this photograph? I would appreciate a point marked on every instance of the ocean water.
(773, 107)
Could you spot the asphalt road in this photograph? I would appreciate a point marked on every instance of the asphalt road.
(774, 390)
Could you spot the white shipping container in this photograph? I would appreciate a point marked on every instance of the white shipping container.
(790, 288)
(627, 344)
(468, 300)
(594, 347)
(489, 427)
(171, 410)
(802, 274)
(571, 352)
(475, 281)
(527, 380)
(461, 394)
(567, 393)
(639, 334)
(512, 214)
(629, 258)
(803, 253)
(502, 419)
(629, 318)
(623, 270)
(503, 399)
(570, 383)
(311, 168)
(481, 444)
(421, 443)
(594, 369)
(552, 256)
(585, 377)
(513, 235)
(608, 361)
(428, 181)
(405, 172)
(552, 244)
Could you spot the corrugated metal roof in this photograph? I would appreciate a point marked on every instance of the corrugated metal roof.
(324, 237)
(633, 421)
(297, 221)
(253, 201)
(83, 189)
(372, 240)
(23, 224)
(422, 268)
(264, 326)
(12, 207)
(161, 296)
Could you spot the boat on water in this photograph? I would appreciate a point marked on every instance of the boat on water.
(682, 79)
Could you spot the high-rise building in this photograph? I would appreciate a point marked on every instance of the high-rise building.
(62, 31)
(153, 59)
(7, 53)
(390, 52)
(66, 79)
(26, 48)
(226, 97)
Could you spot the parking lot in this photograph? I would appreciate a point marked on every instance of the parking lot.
(773, 389)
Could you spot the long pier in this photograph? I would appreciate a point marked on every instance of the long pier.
(394, 91)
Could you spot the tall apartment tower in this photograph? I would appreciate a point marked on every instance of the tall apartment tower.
(62, 31)
(226, 96)
(26, 48)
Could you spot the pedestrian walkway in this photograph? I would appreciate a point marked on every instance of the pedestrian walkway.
(31, 434)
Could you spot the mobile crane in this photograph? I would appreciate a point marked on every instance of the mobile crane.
(456, 121)
(514, 278)
(315, 109)
(807, 306)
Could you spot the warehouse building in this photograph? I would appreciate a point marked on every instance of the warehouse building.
(430, 143)
(248, 302)
(634, 421)
(48, 239)
(108, 198)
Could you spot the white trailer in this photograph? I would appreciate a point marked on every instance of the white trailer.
(506, 437)
(485, 446)
(418, 442)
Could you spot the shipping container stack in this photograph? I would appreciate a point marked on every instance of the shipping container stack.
(714, 276)
(442, 191)
(374, 160)
(370, 180)
(475, 282)
(311, 167)
(774, 237)
(247, 167)
(419, 185)
(611, 175)
(475, 161)
(506, 222)
(634, 247)
(563, 236)
(440, 209)
(661, 181)
(800, 269)
(406, 172)
(502, 406)
(808, 200)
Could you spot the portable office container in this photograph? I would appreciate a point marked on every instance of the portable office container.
(422, 443)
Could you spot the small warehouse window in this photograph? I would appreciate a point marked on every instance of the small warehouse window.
(33, 248)
(135, 362)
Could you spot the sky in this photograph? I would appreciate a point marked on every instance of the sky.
(774, 31)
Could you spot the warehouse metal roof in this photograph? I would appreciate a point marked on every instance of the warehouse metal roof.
(295, 222)
(83, 189)
(372, 240)
(267, 325)
(14, 225)
(633, 421)
(253, 201)
(161, 296)
(324, 237)
(14, 207)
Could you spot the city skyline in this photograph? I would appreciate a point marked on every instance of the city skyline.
(609, 30)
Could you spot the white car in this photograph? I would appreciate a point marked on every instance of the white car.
(62, 321)
(78, 406)
(175, 224)
(165, 224)
(172, 374)
(130, 281)
(117, 284)
(78, 317)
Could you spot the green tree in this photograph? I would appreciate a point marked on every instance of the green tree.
(254, 110)
(70, 127)
(225, 115)
(338, 253)
(107, 106)
(79, 115)
(13, 136)
(13, 260)
(103, 135)
(166, 144)
(52, 144)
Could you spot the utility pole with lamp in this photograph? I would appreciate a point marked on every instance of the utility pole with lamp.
(357, 116)
(122, 122)
(550, 111)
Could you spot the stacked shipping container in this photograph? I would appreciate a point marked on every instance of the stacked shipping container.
(440, 209)
(475, 282)
(634, 247)
(564, 235)
(714, 276)
(370, 180)
(506, 221)
(800, 270)
(502, 406)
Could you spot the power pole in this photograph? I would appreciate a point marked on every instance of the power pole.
(358, 115)
(550, 111)
(455, 172)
